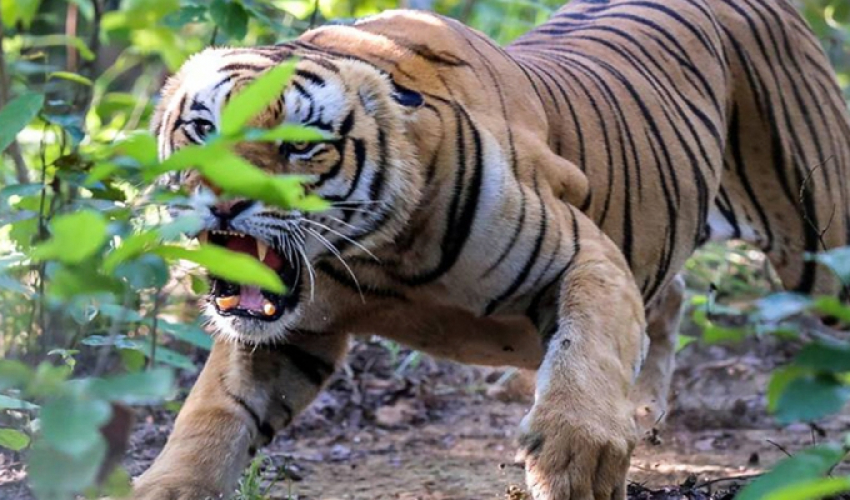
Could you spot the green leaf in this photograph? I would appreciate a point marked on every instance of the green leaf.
(13, 440)
(14, 374)
(236, 176)
(54, 474)
(141, 147)
(838, 260)
(164, 355)
(812, 489)
(16, 115)
(133, 359)
(779, 306)
(74, 237)
(830, 305)
(175, 229)
(48, 380)
(186, 158)
(715, 334)
(130, 248)
(71, 77)
(232, 266)
(71, 424)
(231, 17)
(19, 11)
(311, 203)
(190, 334)
(120, 313)
(809, 397)
(57, 40)
(287, 132)
(7, 403)
(78, 281)
(20, 190)
(255, 97)
(804, 466)
(779, 380)
(100, 172)
(825, 357)
(71, 124)
(144, 272)
(684, 341)
(135, 388)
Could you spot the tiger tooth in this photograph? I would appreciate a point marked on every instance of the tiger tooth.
(227, 303)
(268, 308)
(262, 250)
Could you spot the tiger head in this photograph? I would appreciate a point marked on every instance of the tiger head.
(365, 168)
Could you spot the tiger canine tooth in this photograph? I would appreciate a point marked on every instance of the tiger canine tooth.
(226, 303)
(262, 250)
(268, 308)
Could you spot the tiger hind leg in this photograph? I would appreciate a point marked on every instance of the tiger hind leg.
(653, 384)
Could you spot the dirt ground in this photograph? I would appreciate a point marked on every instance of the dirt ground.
(404, 426)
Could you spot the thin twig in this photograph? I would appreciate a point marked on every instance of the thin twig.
(744, 477)
(806, 216)
(779, 447)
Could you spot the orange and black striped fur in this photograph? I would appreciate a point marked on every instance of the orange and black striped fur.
(528, 205)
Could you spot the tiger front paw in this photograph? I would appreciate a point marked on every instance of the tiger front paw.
(568, 457)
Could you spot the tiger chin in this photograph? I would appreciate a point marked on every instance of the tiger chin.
(529, 206)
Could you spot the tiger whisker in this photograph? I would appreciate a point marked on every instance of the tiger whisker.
(346, 238)
(340, 221)
(291, 240)
(358, 202)
(311, 272)
(331, 248)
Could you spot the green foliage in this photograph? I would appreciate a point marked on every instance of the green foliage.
(251, 485)
(69, 449)
(91, 256)
(814, 385)
(800, 477)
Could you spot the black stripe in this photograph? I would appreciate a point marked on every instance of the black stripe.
(529, 263)
(264, 428)
(314, 368)
(312, 77)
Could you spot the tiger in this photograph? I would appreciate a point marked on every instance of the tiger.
(530, 205)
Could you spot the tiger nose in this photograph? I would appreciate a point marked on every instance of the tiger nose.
(231, 208)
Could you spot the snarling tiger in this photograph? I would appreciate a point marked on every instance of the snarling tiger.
(528, 206)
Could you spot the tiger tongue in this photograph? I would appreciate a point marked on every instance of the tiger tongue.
(250, 297)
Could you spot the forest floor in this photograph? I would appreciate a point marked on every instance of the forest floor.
(396, 425)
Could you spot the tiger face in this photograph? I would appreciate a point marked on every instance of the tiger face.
(365, 168)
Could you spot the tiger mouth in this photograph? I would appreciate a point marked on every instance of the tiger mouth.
(233, 299)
